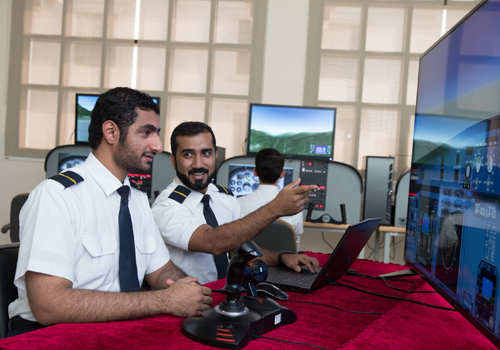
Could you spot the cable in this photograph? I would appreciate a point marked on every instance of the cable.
(393, 246)
(293, 342)
(392, 297)
(385, 279)
(334, 307)
(323, 236)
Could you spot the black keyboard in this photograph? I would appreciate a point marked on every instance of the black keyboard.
(304, 277)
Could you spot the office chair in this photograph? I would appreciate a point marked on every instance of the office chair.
(8, 291)
(15, 207)
(280, 235)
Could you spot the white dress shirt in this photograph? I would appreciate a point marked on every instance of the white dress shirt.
(263, 195)
(177, 223)
(73, 233)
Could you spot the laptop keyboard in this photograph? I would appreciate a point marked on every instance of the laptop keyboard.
(304, 277)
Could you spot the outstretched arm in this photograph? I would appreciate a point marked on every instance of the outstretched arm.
(225, 238)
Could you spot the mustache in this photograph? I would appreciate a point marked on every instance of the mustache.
(199, 170)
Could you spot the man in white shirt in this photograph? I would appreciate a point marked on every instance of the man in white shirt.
(269, 168)
(197, 246)
(76, 226)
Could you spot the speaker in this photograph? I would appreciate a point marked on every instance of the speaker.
(377, 201)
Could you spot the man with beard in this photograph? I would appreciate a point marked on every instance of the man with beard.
(183, 210)
(88, 238)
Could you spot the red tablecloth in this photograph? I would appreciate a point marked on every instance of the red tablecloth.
(401, 325)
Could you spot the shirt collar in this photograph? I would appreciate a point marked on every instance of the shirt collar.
(104, 178)
(268, 188)
(196, 196)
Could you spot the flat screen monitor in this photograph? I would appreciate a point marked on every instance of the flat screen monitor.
(453, 226)
(243, 181)
(83, 108)
(296, 132)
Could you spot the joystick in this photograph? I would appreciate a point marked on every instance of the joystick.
(237, 320)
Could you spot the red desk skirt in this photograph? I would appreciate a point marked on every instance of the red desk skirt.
(401, 325)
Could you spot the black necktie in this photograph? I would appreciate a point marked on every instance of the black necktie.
(220, 260)
(127, 265)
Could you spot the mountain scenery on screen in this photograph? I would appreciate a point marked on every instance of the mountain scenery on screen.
(301, 144)
(83, 113)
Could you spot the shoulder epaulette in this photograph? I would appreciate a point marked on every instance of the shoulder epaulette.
(224, 190)
(180, 194)
(68, 178)
(138, 187)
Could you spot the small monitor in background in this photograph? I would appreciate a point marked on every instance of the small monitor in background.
(83, 109)
(296, 132)
(242, 180)
(84, 105)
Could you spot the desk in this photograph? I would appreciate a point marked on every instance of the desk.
(400, 325)
(388, 231)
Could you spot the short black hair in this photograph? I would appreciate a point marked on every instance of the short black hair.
(269, 165)
(189, 129)
(118, 105)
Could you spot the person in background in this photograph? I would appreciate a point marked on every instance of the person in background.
(269, 168)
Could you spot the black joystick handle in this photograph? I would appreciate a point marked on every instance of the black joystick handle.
(326, 218)
(244, 254)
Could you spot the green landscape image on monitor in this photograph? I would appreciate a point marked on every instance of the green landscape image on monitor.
(84, 106)
(292, 131)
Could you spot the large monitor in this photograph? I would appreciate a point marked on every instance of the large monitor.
(83, 108)
(453, 226)
(296, 132)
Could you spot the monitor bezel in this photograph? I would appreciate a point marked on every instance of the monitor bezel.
(293, 156)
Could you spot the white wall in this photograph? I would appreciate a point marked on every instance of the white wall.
(283, 83)
(285, 52)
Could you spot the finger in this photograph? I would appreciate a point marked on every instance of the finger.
(190, 279)
(206, 291)
(305, 189)
(292, 184)
(170, 282)
(208, 300)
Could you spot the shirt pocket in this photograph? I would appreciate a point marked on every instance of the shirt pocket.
(145, 244)
(100, 245)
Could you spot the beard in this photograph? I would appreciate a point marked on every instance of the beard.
(197, 185)
(127, 159)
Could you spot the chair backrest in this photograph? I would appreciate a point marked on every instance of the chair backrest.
(15, 207)
(280, 235)
(8, 291)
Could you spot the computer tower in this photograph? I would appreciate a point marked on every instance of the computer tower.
(377, 202)
(401, 200)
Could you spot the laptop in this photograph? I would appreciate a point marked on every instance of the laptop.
(346, 251)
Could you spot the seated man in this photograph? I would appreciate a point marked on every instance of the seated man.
(202, 222)
(269, 168)
(88, 238)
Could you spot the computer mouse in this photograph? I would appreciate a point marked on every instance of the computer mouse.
(270, 290)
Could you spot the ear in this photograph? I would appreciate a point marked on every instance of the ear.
(282, 173)
(172, 159)
(255, 172)
(110, 132)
